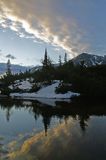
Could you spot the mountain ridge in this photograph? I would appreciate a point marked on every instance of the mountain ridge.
(89, 59)
(15, 68)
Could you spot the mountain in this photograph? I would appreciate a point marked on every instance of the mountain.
(14, 68)
(89, 59)
(38, 67)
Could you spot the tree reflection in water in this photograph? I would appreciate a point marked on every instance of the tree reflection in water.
(72, 135)
(63, 111)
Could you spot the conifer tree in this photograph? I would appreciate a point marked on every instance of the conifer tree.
(8, 67)
(65, 58)
(60, 63)
(45, 61)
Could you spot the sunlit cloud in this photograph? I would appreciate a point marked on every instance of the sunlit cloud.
(38, 20)
(41, 144)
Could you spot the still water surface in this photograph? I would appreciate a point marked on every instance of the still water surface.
(66, 130)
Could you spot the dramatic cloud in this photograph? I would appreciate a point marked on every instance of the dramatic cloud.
(10, 56)
(45, 20)
(46, 146)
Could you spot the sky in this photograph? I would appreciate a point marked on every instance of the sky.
(27, 27)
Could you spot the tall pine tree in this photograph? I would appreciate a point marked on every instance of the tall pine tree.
(45, 61)
(8, 67)
(65, 58)
(60, 63)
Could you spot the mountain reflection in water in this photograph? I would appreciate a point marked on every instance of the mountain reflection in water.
(69, 130)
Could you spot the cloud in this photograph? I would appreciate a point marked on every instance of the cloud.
(10, 56)
(4, 56)
(46, 146)
(46, 20)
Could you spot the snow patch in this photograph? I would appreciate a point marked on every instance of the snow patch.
(46, 92)
(24, 85)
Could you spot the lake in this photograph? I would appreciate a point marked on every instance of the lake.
(52, 130)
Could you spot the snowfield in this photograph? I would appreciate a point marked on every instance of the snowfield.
(45, 92)
(24, 85)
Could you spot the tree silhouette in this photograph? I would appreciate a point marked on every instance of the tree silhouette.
(8, 67)
(83, 121)
(60, 63)
(65, 58)
(45, 61)
(46, 122)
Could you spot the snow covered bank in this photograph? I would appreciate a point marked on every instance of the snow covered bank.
(24, 85)
(46, 92)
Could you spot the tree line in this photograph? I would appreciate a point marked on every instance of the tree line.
(89, 81)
